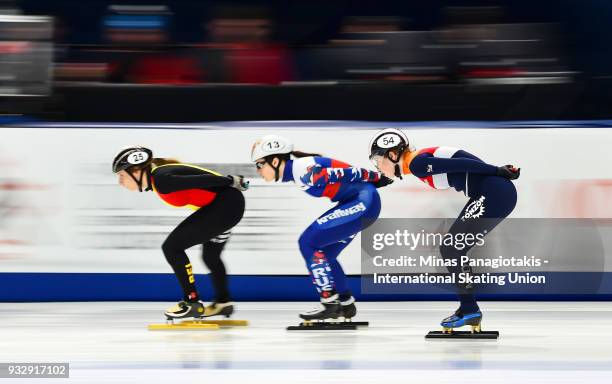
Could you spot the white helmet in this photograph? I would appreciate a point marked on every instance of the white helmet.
(270, 145)
(390, 139)
(387, 139)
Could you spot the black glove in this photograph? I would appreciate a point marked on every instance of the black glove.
(382, 182)
(239, 182)
(509, 172)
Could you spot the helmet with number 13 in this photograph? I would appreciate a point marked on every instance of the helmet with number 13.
(269, 148)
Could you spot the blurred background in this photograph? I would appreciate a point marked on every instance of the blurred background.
(188, 60)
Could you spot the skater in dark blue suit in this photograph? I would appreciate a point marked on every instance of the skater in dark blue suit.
(492, 197)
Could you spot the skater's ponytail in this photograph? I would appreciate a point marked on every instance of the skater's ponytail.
(299, 154)
(158, 161)
(287, 156)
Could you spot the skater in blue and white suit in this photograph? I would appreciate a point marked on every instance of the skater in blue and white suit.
(357, 206)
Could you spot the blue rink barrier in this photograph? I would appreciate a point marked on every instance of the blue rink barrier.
(44, 287)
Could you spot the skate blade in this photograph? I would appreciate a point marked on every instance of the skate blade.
(182, 327)
(357, 323)
(322, 326)
(221, 323)
(462, 335)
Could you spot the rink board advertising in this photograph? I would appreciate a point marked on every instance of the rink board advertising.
(69, 232)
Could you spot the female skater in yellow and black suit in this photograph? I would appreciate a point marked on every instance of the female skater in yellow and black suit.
(219, 205)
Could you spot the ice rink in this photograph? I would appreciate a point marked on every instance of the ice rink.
(542, 342)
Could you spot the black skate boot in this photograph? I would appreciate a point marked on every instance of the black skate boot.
(321, 318)
(185, 310)
(349, 310)
(325, 311)
(219, 309)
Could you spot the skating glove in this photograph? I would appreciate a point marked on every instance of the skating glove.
(382, 182)
(239, 182)
(509, 172)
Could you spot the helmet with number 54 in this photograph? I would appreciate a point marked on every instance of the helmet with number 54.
(386, 142)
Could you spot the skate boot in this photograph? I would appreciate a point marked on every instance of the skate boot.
(185, 310)
(349, 310)
(325, 311)
(460, 319)
(329, 309)
(219, 309)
